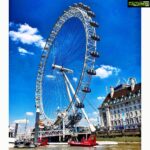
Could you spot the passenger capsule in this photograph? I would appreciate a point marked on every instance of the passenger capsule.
(75, 5)
(94, 24)
(78, 116)
(43, 56)
(39, 72)
(81, 5)
(79, 105)
(91, 72)
(37, 98)
(94, 53)
(46, 47)
(91, 14)
(95, 37)
(86, 90)
(70, 117)
(87, 8)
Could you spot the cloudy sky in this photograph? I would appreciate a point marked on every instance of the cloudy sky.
(30, 24)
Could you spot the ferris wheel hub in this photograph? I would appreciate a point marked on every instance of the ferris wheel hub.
(61, 68)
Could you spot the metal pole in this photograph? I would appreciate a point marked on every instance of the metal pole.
(16, 129)
(63, 129)
(69, 95)
(36, 126)
(26, 126)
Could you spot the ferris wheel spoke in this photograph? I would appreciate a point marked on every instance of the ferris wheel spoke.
(69, 96)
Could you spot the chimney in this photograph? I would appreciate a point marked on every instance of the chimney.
(132, 83)
(111, 92)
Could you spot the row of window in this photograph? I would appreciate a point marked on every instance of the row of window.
(126, 109)
(125, 127)
(127, 114)
(120, 122)
(123, 98)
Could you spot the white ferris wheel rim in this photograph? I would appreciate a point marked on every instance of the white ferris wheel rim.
(88, 60)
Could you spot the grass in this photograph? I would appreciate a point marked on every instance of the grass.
(139, 4)
(121, 139)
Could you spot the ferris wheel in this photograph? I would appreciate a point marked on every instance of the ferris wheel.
(66, 68)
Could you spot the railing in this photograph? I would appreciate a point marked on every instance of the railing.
(49, 133)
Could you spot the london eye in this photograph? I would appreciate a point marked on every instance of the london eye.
(66, 68)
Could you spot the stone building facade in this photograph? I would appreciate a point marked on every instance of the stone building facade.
(121, 108)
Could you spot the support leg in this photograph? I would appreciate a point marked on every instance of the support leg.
(92, 128)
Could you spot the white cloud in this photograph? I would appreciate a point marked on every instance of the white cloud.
(95, 113)
(83, 122)
(50, 76)
(93, 120)
(75, 79)
(105, 71)
(29, 113)
(22, 121)
(23, 51)
(93, 117)
(27, 35)
(101, 98)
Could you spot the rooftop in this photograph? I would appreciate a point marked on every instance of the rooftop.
(122, 90)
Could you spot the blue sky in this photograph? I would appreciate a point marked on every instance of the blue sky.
(30, 24)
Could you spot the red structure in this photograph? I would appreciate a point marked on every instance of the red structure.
(91, 141)
(42, 141)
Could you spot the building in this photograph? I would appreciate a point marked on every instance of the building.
(121, 109)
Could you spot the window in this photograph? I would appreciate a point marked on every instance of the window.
(136, 120)
(130, 108)
(112, 123)
(131, 121)
(131, 113)
(127, 121)
(134, 107)
(136, 113)
(139, 106)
